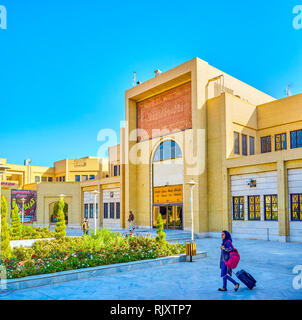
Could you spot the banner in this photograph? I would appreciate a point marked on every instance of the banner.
(30, 203)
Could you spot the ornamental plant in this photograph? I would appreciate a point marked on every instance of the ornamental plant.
(16, 226)
(5, 237)
(60, 231)
(161, 236)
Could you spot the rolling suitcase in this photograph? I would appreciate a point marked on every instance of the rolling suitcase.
(246, 278)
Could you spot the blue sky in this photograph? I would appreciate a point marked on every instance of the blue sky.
(65, 64)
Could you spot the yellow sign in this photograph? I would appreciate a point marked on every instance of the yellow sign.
(168, 194)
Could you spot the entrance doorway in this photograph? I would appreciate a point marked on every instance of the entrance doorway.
(172, 216)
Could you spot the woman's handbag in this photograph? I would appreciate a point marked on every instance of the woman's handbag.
(234, 258)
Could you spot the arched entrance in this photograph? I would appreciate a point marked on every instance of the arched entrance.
(167, 185)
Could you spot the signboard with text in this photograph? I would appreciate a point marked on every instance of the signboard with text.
(168, 194)
(30, 203)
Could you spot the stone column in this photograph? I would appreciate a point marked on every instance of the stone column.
(282, 201)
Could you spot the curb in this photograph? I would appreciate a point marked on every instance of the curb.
(54, 278)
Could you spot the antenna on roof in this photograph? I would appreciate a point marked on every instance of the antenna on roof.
(134, 79)
(288, 92)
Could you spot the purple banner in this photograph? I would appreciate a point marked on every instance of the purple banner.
(30, 203)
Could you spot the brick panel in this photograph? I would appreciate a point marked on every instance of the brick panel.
(169, 110)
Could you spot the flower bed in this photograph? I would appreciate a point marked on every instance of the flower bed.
(103, 248)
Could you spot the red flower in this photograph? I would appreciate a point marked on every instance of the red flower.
(5, 260)
(8, 266)
(33, 256)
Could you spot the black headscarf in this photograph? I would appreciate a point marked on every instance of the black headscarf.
(227, 237)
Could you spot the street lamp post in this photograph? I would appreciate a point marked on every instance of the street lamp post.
(2, 170)
(192, 184)
(95, 193)
(191, 247)
(22, 201)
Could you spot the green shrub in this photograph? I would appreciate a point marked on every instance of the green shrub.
(161, 236)
(16, 226)
(5, 236)
(60, 231)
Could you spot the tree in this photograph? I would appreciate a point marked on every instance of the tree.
(60, 225)
(5, 238)
(16, 226)
(161, 236)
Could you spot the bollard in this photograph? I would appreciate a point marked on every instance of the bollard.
(191, 249)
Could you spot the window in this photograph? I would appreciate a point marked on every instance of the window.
(77, 178)
(271, 207)
(37, 179)
(117, 210)
(266, 144)
(92, 177)
(296, 139)
(97, 210)
(86, 211)
(63, 179)
(60, 179)
(111, 210)
(252, 146)
(296, 207)
(236, 143)
(105, 210)
(116, 171)
(50, 179)
(254, 208)
(280, 142)
(244, 145)
(238, 208)
(168, 149)
(84, 178)
(91, 210)
(57, 179)
(44, 179)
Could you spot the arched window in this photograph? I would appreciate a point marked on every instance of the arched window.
(168, 149)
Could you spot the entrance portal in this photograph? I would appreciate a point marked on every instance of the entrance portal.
(172, 216)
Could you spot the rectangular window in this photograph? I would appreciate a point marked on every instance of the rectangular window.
(63, 179)
(60, 179)
(111, 210)
(296, 207)
(252, 146)
(86, 211)
(280, 142)
(50, 179)
(105, 210)
(57, 179)
(91, 210)
(84, 178)
(92, 177)
(44, 179)
(271, 207)
(266, 145)
(37, 179)
(77, 178)
(296, 139)
(116, 171)
(254, 208)
(236, 143)
(238, 208)
(117, 210)
(244, 144)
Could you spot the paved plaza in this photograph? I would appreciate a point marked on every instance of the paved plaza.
(271, 263)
